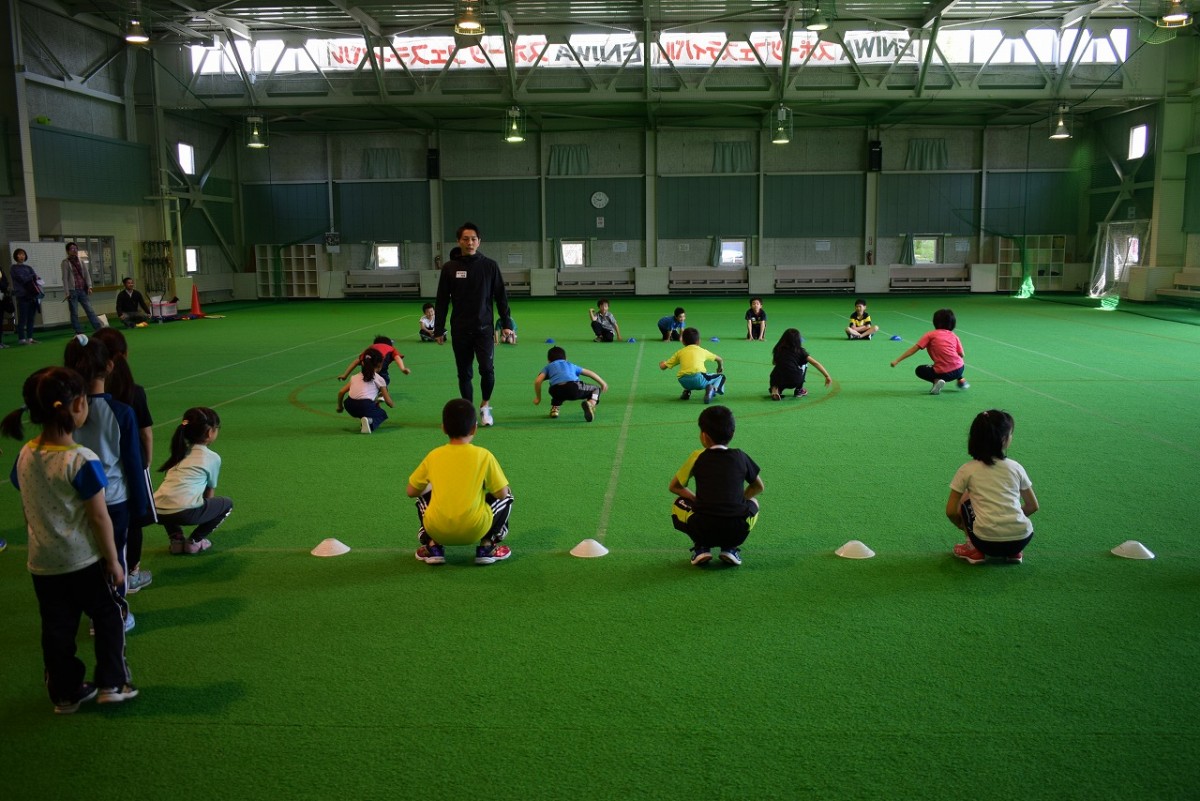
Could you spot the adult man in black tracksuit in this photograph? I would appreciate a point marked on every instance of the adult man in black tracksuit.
(471, 283)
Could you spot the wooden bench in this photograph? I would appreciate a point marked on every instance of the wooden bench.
(708, 280)
(1186, 284)
(382, 283)
(596, 282)
(516, 282)
(924, 277)
(814, 279)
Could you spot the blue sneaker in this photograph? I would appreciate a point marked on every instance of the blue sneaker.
(731, 557)
(701, 555)
(3, 544)
(432, 554)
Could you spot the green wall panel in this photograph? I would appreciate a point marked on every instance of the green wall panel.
(505, 211)
(928, 204)
(571, 215)
(1191, 195)
(198, 229)
(1032, 203)
(383, 212)
(285, 214)
(707, 206)
(92, 169)
(813, 205)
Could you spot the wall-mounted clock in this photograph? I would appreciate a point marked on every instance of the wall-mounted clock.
(599, 200)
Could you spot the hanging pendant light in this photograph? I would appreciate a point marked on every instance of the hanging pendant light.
(781, 125)
(466, 18)
(256, 132)
(1059, 122)
(1176, 16)
(514, 125)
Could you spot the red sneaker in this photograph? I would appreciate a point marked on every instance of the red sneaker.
(968, 552)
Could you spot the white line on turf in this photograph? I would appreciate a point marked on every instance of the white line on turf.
(1029, 350)
(619, 451)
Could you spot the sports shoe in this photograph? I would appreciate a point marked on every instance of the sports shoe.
(701, 555)
(709, 393)
(177, 545)
(130, 622)
(554, 411)
(731, 556)
(868, 336)
(687, 395)
(70, 706)
(432, 554)
(589, 410)
(485, 416)
(487, 554)
(3, 544)
(116, 695)
(964, 384)
(775, 394)
(191, 546)
(937, 387)
(138, 579)
(1016, 558)
(800, 393)
(967, 551)
(365, 426)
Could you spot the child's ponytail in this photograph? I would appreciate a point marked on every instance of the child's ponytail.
(48, 394)
(194, 428)
(88, 357)
(370, 364)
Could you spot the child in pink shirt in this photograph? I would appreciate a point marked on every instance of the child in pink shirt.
(945, 348)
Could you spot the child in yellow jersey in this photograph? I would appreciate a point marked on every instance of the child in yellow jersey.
(692, 359)
(462, 494)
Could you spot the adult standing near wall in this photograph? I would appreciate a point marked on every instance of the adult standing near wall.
(131, 306)
(24, 284)
(471, 283)
(77, 283)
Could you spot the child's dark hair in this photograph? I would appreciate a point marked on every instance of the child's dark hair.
(691, 336)
(193, 429)
(555, 353)
(458, 418)
(88, 357)
(678, 310)
(860, 301)
(944, 319)
(754, 299)
(370, 361)
(990, 431)
(119, 382)
(48, 395)
(602, 302)
(789, 346)
(426, 307)
(19, 250)
(717, 422)
(380, 339)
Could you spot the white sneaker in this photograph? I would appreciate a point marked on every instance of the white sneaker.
(485, 416)
(937, 387)
(365, 428)
(964, 384)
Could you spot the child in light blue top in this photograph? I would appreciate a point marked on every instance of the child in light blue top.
(565, 384)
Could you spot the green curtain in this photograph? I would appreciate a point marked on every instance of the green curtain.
(568, 160)
(558, 256)
(733, 157)
(927, 154)
(714, 252)
(381, 162)
(907, 255)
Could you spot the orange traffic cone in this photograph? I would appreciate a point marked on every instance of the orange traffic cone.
(196, 312)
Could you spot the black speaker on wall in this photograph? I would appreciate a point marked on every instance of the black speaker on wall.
(433, 164)
(874, 155)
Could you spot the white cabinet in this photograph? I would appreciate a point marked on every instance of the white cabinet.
(286, 271)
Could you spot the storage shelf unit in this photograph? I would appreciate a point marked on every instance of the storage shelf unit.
(1046, 254)
(286, 271)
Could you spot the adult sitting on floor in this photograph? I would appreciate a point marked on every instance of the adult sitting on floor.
(131, 306)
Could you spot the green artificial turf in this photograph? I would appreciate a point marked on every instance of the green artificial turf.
(267, 673)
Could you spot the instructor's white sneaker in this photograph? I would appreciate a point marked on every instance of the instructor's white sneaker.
(365, 427)
(937, 387)
(485, 416)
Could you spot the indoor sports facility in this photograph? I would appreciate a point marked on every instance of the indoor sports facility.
(284, 182)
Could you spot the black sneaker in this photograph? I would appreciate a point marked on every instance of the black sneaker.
(709, 393)
(490, 554)
(687, 395)
(70, 706)
(701, 555)
(116, 695)
(731, 557)
(589, 411)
